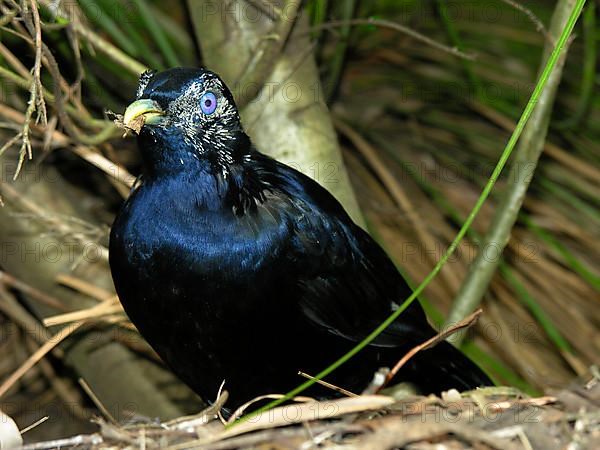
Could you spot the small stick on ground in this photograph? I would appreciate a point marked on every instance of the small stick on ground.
(88, 390)
(34, 424)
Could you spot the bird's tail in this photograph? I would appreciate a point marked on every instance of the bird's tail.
(441, 368)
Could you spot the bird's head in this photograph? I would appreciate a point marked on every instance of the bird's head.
(185, 115)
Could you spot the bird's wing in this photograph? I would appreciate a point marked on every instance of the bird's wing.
(346, 282)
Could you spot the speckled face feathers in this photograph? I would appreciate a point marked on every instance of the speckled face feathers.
(145, 78)
(187, 124)
(213, 131)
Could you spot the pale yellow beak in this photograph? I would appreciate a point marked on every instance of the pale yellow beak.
(141, 112)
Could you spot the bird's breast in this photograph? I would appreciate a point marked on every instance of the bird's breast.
(166, 249)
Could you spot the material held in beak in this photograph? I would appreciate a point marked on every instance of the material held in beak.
(141, 112)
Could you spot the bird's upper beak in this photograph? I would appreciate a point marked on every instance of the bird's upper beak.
(141, 112)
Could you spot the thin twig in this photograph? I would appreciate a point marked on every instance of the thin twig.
(37, 355)
(14, 61)
(465, 323)
(68, 90)
(88, 390)
(108, 307)
(204, 416)
(539, 25)
(37, 67)
(85, 440)
(333, 387)
(113, 52)
(24, 83)
(36, 294)
(101, 44)
(8, 16)
(306, 53)
(12, 194)
(62, 386)
(110, 168)
(90, 154)
(66, 122)
(34, 424)
(36, 98)
(80, 285)
(12, 141)
(397, 27)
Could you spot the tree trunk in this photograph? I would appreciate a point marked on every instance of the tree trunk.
(288, 118)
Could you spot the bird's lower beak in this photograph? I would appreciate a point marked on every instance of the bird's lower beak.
(141, 112)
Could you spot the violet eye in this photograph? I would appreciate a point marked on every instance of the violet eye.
(208, 103)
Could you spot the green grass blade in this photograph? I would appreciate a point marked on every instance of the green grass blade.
(100, 17)
(318, 14)
(589, 69)
(527, 155)
(524, 295)
(457, 43)
(129, 21)
(494, 365)
(536, 310)
(570, 199)
(543, 79)
(337, 60)
(569, 259)
(157, 33)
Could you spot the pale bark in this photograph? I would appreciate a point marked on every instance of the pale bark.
(288, 119)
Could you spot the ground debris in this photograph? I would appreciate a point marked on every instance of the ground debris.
(489, 418)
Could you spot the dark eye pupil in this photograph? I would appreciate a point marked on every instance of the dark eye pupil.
(207, 103)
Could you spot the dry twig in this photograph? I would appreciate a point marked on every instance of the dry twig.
(467, 322)
(37, 355)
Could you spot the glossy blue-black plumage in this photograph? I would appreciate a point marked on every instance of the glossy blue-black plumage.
(236, 267)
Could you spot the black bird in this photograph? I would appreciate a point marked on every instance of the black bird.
(237, 267)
